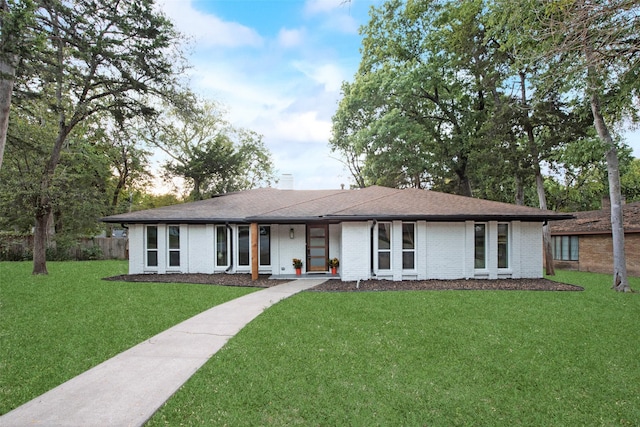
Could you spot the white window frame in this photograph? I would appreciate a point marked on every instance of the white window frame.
(260, 227)
(486, 238)
(227, 245)
(389, 227)
(507, 243)
(237, 251)
(171, 250)
(411, 250)
(147, 249)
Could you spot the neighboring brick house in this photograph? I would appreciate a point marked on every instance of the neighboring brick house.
(375, 232)
(585, 243)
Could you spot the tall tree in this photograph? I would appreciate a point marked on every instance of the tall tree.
(78, 188)
(113, 57)
(599, 41)
(416, 107)
(17, 41)
(209, 153)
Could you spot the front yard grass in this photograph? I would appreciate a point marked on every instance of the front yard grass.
(55, 327)
(427, 358)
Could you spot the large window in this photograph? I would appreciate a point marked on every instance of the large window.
(174, 246)
(152, 245)
(503, 245)
(222, 246)
(243, 245)
(384, 246)
(480, 244)
(408, 246)
(265, 245)
(565, 248)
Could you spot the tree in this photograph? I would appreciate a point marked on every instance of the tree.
(78, 188)
(599, 42)
(16, 42)
(209, 153)
(415, 113)
(100, 57)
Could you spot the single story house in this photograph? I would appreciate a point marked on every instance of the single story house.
(375, 232)
(585, 243)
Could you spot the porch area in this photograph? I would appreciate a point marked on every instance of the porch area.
(307, 275)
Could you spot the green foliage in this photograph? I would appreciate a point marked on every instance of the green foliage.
(58, 326)
(473, 97)
(630, 181)
(426, 358)
(77, 188)
(210, 154)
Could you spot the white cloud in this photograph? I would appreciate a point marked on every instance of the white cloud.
(328, 75)
(304, 127)
(206, 29)
(290, 38)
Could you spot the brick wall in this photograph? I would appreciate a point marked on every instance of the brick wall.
(356, 254)
(596, 254)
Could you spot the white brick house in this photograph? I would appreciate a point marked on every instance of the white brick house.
(376, 232)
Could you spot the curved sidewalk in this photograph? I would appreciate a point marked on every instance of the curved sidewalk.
(128, 389)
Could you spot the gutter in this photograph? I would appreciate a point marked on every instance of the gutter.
(348, 218)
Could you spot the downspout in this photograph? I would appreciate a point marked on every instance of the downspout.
(230, 247)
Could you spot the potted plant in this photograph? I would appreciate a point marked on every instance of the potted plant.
(297, 264)
(334, 263)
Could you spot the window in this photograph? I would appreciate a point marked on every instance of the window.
(565, 248)
(408, 246)
(265, 245)
(152, 246)
(384, 246)
(174, 246)
(480, 239)
(222, 246)
(503, 245)
(243, 245)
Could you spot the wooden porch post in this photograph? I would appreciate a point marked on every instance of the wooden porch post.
(254, 251)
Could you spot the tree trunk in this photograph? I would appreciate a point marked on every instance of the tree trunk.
(620, 280)
(7, 77)
(40, 237)
(519, 191)
(550, 269)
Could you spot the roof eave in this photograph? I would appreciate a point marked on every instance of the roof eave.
(341, 218)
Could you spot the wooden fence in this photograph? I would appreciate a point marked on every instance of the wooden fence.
(15, 248)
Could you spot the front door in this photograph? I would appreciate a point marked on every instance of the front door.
(317, 247)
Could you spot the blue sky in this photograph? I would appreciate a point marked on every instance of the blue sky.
(277, 66)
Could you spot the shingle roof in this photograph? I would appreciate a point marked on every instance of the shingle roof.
(287, 206)
(599, 222)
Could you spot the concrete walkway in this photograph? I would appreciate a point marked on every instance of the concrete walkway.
(129, 388)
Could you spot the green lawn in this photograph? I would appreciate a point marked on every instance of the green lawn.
(375, 358)
(55, 327)
(427, 358)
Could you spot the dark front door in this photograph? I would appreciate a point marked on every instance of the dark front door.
(317, 247)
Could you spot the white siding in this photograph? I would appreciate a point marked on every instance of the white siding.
(421, 250)
(200, 252)
(356, 251)
(335, 242)
(530, 256)
(290, 248)
(443, 250)
(136, 249)
(446, 243)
